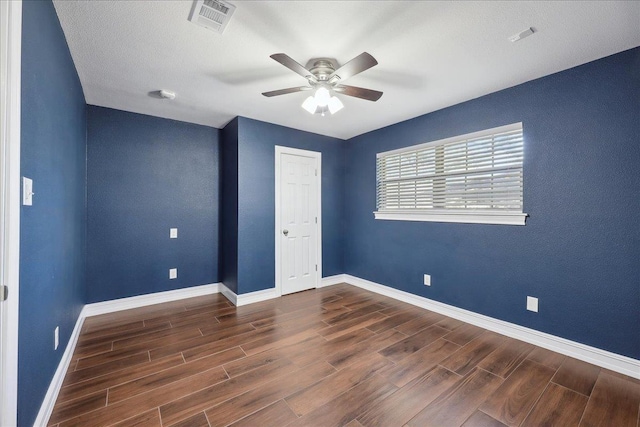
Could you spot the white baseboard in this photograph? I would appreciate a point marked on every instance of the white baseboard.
(250, 298)
(615, 362)
(257, 296)
(56, 382)
(109, 307)
(229, 294)
(333, 280)
(596, 356)
(150, 299)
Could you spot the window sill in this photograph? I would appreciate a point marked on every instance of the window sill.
(460, 217)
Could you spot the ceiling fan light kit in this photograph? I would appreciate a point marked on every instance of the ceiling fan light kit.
(310, 105)
(326, 80)
(322, 102)
(322, 96)
(335, 105)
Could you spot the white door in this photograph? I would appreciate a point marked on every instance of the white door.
(297, 219)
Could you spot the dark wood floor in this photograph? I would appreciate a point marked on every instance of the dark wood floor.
(328, 357)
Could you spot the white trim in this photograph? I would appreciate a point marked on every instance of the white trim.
(102, 308)
(318, 157)
(10, 200)
(56, 382)
(249, 298)
(459, 217)
(257, 296)
(229, 294)
(472, 135)
(120, 304)
(333, 280)
(615, 362)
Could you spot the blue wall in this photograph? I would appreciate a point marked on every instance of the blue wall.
(256, 199)
(579, 252)
(52, 232)
(229, 205)
(145, 176)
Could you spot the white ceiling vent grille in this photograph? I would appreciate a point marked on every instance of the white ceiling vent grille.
(212, 14)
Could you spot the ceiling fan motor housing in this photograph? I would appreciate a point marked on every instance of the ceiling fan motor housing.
(322, 68)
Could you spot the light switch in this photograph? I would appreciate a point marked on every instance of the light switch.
(27, 191)
(173, 233)
(173, 273)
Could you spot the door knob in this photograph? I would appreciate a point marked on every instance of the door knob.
(285, 232)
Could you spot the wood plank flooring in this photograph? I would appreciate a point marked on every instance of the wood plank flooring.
(334, 356)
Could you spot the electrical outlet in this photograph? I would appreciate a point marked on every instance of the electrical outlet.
(427, 280)
(532, 304)
(173, 273)
(173, 233)
(56, 337)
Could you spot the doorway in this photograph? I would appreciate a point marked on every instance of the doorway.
(298, 227)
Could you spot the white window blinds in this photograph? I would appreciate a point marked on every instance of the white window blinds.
(470, 178)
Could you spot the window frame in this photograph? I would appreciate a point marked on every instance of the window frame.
(456, 215)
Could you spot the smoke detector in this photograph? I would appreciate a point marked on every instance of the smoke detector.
(212, 14)
(167, 94)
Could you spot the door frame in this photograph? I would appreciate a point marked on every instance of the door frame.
(11, 27)
(318, 157)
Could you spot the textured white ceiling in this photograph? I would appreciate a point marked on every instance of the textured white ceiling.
(431, 54)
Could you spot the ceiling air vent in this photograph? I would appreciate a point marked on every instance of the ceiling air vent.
(212, 14)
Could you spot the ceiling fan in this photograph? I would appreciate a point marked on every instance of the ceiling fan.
(326, 80)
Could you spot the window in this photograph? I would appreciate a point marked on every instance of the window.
(474, 178)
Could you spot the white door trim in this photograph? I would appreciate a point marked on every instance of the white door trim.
(11, 27)
(318, 156)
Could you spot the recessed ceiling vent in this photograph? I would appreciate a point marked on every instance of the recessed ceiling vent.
(212, 14)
